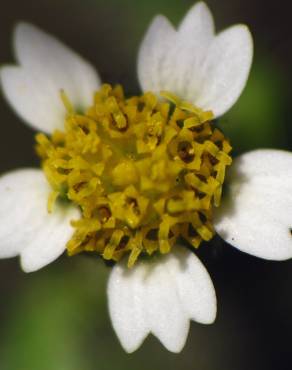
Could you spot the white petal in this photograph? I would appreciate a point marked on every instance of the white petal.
(165, 312)
(153, 65)
(226, 69)
(195, 288)
(46, 67)
(26, 228)
(163, 50)
(160, 296)
(256, 215)
(207, 70)
(126, 305)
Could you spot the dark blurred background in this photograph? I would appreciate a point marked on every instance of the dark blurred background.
(57, 318)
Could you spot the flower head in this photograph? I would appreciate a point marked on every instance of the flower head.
(143, 172)
(135, 176)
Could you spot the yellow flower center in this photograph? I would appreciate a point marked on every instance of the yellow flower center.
(144, 172)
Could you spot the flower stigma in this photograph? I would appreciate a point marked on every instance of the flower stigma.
(144, 171)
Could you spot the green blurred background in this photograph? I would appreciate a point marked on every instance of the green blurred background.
(57, 318)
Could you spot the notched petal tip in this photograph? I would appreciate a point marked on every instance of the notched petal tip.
(177, 344)
(226, 69)
(245, 38)
(160, 297)
(23, 27)
(157, 38)
(201, 11)
(130, 347)
(196, 288)
(207, 70)
(126, 306)
(212, 313)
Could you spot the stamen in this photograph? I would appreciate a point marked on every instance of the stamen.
(143, 171)
(66, 102)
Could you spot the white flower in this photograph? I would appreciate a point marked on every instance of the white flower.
(163, 294)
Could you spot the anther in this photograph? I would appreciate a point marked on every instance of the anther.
(132, 202)
(104, 214)
(186, 151)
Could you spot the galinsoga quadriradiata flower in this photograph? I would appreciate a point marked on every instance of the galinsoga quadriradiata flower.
(138, 180)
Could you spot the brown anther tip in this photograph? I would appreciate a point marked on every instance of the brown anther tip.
(186, 151)
(104, 214)
(132, 202)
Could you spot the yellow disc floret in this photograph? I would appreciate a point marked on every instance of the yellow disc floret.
(144, 172)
